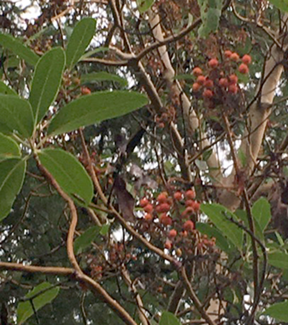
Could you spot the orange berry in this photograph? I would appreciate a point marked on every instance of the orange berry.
(168, 244)
(184, 233)
(163, 207)
(187, 212)
(188, 225)
(223, 82)
(148, 208)
(233, 79)
(246, 59)
(213, 63)
(196, 206)
(233, 89)
(227, 53)
(189, 203)
(209, 83)
(148, 217)
(165, 220)
(161, 125)
(234, 57)
(144, 202)
(162, 197)
(177, 196)
(207, 93)
(200, 80)
(85, 91)
(190, 195)
(197, 71)
(172, 233)
(196, 86)
(243, 68)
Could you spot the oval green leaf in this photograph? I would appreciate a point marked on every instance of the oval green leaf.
(68, 172)
(94, 108)
(261, 211)
(25, 310)
(15, 46)
(46, 81)
(16, 115)
(79, 40)
(144, 5)
(8, 148)
(12, 172)
(279, 260)
(278, 311)
(168, 318)
(102, 76)
(220, 216)
(5, 90)
(84, 240)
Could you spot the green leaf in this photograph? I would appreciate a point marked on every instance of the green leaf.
(46, 81)
(25, 310)
(15, 46)
(102, 76)
(221, 241)
(94, 108)
(16, 115)
(220, 216)
(280, 4)
(8, 148)
(12, 172)
(168, 318)
(5, 90)
(86, 239)
(279, 260)
(81, 37)
(68, 172)
(144, 5)
(210, 15)
(261, 211)
(95, 51)
(278, 311)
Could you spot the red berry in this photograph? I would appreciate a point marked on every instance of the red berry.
(163, 207)
(189, 203)
(172, 233)
(144, 202)
(196, 86)
(207, 93)
(209, 83)
(233, 79)
(162, 197)
(161, 125)
(246, 59)
(148, 208)
(196, 206)
(190, 195)
(165, 220)
(223, 82)
(200, 80)
(148, 217)
(213, 63)
(168, 244)
(227, 53)
(197, 71)
(177, 196)
(188, 225)
(85, 91)
(234, 57)
(243, 68)
(233, 89)
(187, 212)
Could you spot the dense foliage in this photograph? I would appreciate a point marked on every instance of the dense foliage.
(143, 164)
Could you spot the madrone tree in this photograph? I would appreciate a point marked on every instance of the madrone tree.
(143, 163)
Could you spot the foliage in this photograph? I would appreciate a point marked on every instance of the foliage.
(117, 127)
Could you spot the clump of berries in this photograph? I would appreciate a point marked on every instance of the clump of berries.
(220, 77)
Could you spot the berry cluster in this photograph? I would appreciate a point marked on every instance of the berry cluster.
(216, 83)
(173, 213)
